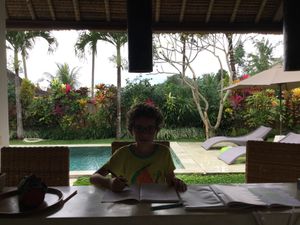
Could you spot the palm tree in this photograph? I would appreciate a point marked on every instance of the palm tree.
(65, 74)
(118, 39)
(20, 41)
(88, 38)
(29, 41)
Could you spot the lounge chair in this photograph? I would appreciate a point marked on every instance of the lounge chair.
(234, 153)
(259, 134)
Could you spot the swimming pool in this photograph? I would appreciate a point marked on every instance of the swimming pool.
(91, 158)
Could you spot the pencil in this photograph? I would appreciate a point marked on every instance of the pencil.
(115, 175)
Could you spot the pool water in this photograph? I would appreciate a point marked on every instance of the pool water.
(92, 158)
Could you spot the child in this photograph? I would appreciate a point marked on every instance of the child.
(141, 162)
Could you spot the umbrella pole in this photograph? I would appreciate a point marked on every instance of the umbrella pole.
(280, 107)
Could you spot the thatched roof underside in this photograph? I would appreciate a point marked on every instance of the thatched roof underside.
(168, 15)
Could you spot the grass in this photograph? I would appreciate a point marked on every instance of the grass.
(190, 179)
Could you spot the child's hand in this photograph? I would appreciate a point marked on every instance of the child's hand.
(178, 184)
(118, 184)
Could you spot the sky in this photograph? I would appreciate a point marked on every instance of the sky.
(40, 61)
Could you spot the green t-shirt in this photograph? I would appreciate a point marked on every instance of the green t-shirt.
(136, 169)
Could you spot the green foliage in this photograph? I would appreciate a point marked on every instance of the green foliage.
(27, 92)
(180, 133)
(261, 109)
(263, 58)
(209, 84)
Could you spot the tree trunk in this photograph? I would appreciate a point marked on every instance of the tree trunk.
(24, 65)
(231, 56)
(118, 127)
(20, 131)
(93, 72)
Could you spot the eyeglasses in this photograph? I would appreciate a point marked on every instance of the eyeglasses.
(148, 129)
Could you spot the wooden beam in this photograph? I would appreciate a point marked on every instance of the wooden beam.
(261, 9)
(107, 10)
(6, 12)
(157, 10)
(269, 28)
(31, 10)
(51, 9)
(235, 9)
(210, 7)
(279, 13)
(76, 10)
(182, 10)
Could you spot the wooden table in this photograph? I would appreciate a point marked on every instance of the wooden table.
(86, 208)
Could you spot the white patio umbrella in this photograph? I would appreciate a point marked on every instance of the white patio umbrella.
(272, 78)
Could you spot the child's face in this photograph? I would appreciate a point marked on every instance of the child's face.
(144, 129)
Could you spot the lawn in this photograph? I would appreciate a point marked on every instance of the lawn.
(190, 179)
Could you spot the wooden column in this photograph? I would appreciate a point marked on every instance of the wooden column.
(291, 35)
(4, 132)
(139, 24)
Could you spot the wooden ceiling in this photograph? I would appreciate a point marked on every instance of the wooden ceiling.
(168, 15)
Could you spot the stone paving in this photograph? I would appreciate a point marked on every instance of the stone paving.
(196, 159)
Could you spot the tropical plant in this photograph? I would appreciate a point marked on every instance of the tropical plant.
(117, 39)
(20, 41)
(65, 75)
(263, 58)
(90, 39)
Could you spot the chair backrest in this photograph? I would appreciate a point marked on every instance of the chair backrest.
(51, 164)
(260, 132)
(272, 162)
(118, 144)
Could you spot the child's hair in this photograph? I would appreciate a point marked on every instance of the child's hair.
(144, 110)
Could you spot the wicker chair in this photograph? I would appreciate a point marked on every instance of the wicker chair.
(118, 144)
(51, 164)
(272, 162)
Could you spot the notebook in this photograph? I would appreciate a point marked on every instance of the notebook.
(158, 193)
(235, 196)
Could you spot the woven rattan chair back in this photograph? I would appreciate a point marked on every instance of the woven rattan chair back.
(51, 164)
(118, 144)
(272, 162)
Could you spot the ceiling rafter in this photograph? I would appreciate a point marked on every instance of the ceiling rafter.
(210, 7)
(261, 9)
(51, 9)
(31, 10)
(76, 10)
(107, 10)
(182, 10)
(157, 10)
(235, 10)
(279, 13)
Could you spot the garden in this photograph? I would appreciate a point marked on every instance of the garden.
(195, 106)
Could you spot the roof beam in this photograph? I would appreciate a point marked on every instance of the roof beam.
(6, 12)
(210, 7)
(235, 9)
(279, 13)
(51, 9)
(107, 10)
(261, 9)
(31, 10)
(76, 10)
(157, 10)
(182, 10)
(157, 27)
